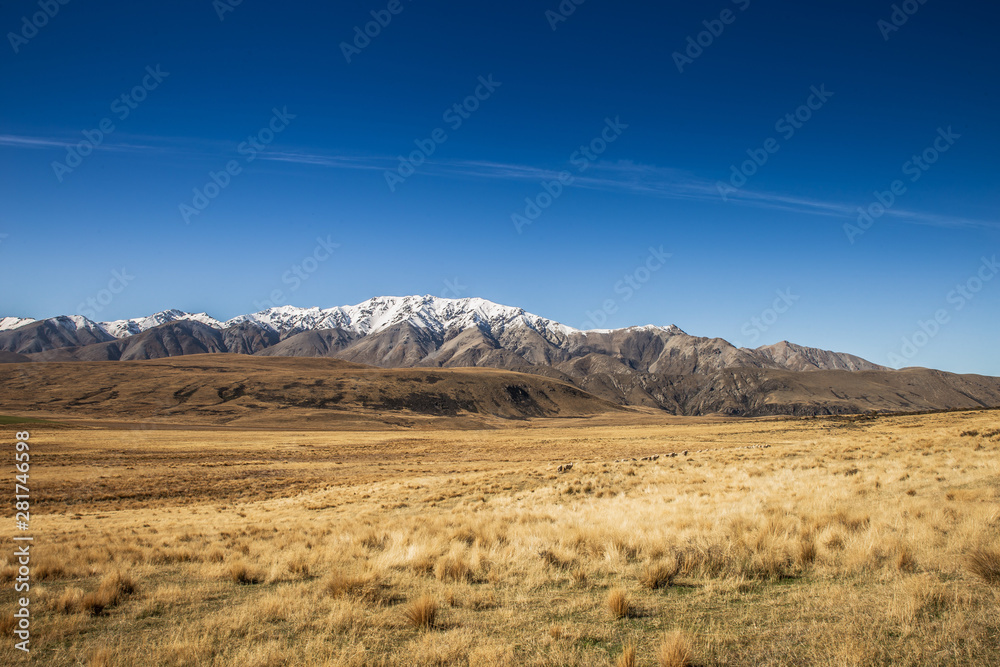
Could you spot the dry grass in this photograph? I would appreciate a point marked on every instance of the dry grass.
(620, 604)
(114, 589)
(984, 562)
(756, 555)
(241, 573)
(422, 612)
(627, 658)
(659, 574)
(70, 601)
(674, 650)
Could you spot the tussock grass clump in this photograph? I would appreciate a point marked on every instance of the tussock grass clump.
(69, 601)
(422, 612)
(115, 588)
(620, 604)
(904, 559)
(298, 567)
(920, 596)
(984, 562)
(48, 570)
(92, 604)
(374, 540)
(240, 573)
(659, 574)
(452, 568)
(674, 650)
(102, 657)
(557, 560)
(337, 584)
(627, 657)
(807, 551)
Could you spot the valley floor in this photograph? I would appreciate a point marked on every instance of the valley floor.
(844, 541)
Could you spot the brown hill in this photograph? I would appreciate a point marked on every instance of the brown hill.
(248, 390)
(758, 392)
(252, 390)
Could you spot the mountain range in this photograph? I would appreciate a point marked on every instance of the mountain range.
(654, 366)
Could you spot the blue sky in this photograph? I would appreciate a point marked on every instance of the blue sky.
(204, 93)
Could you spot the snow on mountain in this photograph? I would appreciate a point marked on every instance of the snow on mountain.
(124, 328)
(447, 332)
(436, 314)
(73, 324)
(69, 322)
(673, 329)
(7, 323)
(426, 312)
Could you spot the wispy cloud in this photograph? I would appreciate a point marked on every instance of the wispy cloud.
(622, 176)
(650, 180)
(334, 161)
(17, 141)
(31, 142)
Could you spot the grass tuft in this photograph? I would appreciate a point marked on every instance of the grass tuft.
(627, 657)
(422, 613)
(620, 604)
(115, 588)
(674, 650)
(240, 573)
(452, 568)
(659, 574)
(69, 601)
(984, 562)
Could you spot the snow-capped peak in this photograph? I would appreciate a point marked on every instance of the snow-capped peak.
(437, 314)
(427, 312)
(77, 323)
(672, 329)
(130, 327)
(7, 323)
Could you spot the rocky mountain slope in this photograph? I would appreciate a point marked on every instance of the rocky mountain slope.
(654, 366)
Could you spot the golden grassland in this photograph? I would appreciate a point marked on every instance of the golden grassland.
(773, 542)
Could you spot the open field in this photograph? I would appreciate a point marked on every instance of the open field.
(869, 541)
